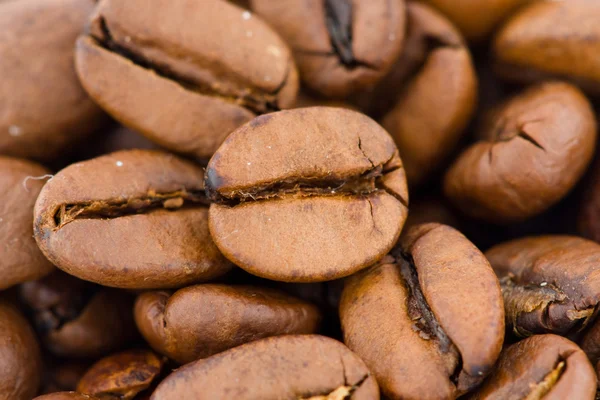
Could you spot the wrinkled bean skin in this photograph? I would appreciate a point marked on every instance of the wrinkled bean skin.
(317, 187)
(123, 375)
(431, 90)
(20, 362)
(337, 49)
(138, 60)
(476, 19)
(537, 147)
(547, 367)
(20, 184)
(550, 283)
(132, 219)
(73, 317)
(436, 347)
(552, 39)
(202, 320)
(279, 368)
(36, 95)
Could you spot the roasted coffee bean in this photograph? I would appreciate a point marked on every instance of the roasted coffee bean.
(20, 184)
(294, 367)
(550, 284)
(430, 209)
(20, 362)
(538, 146)
(589, 209)
(66, 396)
(306, 195)
(185, 73)
(202, 320)
(130, 219)
(552, 39)
(477, 19)
(429, 96)
(44, 109)
(124, 375)
(341, 46)
(73, 317)
(546, 367)
(428, 320)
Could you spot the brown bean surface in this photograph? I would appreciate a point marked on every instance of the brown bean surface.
(131, 219)
(20, 184)
(432, 310)
(537, 147)
(45, 111)
(140, 59)
(202, 320)
(306, 195)
(294, 367)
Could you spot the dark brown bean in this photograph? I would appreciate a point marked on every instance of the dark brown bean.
(428, 320)
(202, 320)
(537, 147)
(341, 46)
(294, 367)
(550, 284)
(306, 195)
(20, 362)
(78, 319)
(546, 367)
(131, 219)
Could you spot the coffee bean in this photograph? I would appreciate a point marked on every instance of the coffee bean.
(20, 184)
(306, 195)
(44, 109)
(73, 317)
(199, 68)
(105, 220)
(428, 320)
(550, 284)
(541, 367)
(294, 367)
(20, 363)
(538, 146)
(477, 19)
(202, 320)
(552, 39)
(341, 46)
(431, 89)
(123, 375)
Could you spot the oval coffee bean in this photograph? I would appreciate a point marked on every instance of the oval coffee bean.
(202, 320)
(123, 375)
(476, 19)
(66, 396)
(428, 320)
(294, 367)
(44, 109)
(550, 284)
(20, 362)
(130, 219)
(552, 39)
(20, 184)
(546, 367)
(73, 317)
(432, 89)
(341, 46)
(306, 195)
(538, 146)
(200, 69)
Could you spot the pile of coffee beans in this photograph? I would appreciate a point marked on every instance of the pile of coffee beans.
(299, 199)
